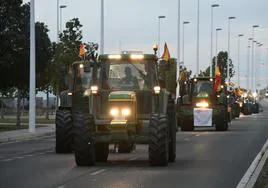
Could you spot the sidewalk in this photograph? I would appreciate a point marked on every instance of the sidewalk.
(24, 134)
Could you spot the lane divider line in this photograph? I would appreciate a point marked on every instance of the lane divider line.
(253, 172)
(98, 172)
(133, 159)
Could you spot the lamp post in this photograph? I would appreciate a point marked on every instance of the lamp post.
(32, 102)
(252, 56)
(211, 39)
(183, 27)
(248, 64)
(159, 19)
(238, 59)
(61, 7)
(58, 29)
(257, 66)
(216, 60)
(178, 52)
(197, 42)
(102, 28)
(229, 57)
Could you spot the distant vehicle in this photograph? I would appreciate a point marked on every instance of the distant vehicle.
(266, 94)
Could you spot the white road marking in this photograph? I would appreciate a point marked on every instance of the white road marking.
(30, 155)
(197, 135)
(251, 175)
(18, 157)
(98, 172)
(7, 160)
(61, 186)
(133, 159)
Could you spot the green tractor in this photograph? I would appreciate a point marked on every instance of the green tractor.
(117, 99)
(202, 107)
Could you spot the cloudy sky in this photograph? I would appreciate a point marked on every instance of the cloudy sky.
(133, 25)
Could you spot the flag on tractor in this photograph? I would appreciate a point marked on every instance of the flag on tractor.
(82, 50)
(217, 84)
(166, 54)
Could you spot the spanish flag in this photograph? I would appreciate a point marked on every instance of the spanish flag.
(166, 54)
(217, 84)
(82, 50)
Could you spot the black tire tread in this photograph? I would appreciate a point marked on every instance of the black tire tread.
(64, 131)
(158, 140)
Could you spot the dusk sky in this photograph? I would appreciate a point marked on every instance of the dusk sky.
(133, 25)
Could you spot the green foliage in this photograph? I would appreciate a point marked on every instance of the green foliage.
(65, 53)
(15, 46)
(222, 62)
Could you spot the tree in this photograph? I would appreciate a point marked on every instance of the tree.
(222, 62)
(65, 53)
(15, 51)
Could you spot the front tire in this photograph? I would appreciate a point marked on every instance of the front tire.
(64, 132)
(158, 140)
(84, 145)
(101, 152)
(172, 124)
(186, 125)
(222, 124)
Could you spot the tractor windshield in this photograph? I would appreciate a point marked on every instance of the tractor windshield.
(203, 87)
(128, 75)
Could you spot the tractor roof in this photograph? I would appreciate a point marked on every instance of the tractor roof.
(202, 78)
(127, 57)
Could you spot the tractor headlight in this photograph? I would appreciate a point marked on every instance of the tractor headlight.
(94, 89)
(125, 112)
(203, 104)
(157, 89)
(114, 112)
(240, 104)
(266, 94)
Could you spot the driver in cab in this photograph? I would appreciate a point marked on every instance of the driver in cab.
(129, 81)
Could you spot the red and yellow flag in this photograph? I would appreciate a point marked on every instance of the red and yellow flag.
(217, 84)
(82, 50)
(166, 54)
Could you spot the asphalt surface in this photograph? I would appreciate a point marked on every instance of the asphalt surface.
(204, 159)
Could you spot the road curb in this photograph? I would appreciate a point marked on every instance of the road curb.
(26, 137)
(253, 172)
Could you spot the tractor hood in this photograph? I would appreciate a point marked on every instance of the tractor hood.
(202, 95)
(122, 96)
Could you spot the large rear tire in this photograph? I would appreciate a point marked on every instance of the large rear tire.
(158, 140)
(84, 144)
(101, 152)
(172, 124)
(222, 124)
(64, 132)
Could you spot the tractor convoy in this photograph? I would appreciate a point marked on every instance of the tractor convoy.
(120, 100)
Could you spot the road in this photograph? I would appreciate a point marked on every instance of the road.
(204, 159)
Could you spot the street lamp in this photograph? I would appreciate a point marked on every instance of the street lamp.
(32, 103)
(184, 23)
(252, 55)
(197, 45)
(61, 7)
(159, 18)
(102, 28)
(216, 60)
(238, 60)
(229, 57)
(178, 52)
(258, 54)
(211, 39)
(248, 63)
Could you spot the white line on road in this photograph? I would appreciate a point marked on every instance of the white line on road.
(133, 159)
(7, 160)
(61, 186)
(251, 175)
(197, 135)
(18, 157)
(98, 172)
